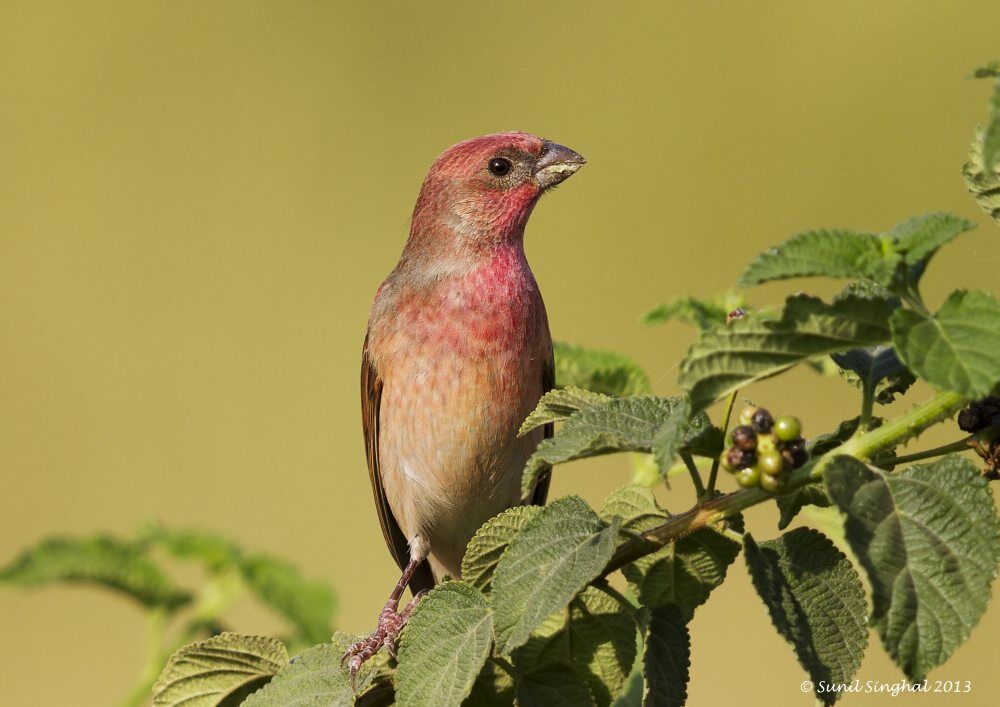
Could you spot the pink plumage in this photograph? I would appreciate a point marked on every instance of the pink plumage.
(458, 352)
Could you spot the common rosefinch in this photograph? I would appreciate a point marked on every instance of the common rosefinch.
(457, 354)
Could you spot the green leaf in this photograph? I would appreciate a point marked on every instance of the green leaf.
(553, 686)
(750, 349)
(823, 253)
(618, 425)
(929, 539)
(444, 646)
(989, 70)
(600, 371)
(214, 551)
(957, 349)
(313, 678)
(667, 658)
(219, 672)
(598, 637)
(558, 405)
(918, 238)
(493, 688)
(636, 507)
(878, 367)
(684, 572)
(982, 183)
(101, 560)
(702, 313)
(308, 605)
(557, 553)
(868, 290)
(791, 503)
(990, 139)
(489, 543)
(816, 603)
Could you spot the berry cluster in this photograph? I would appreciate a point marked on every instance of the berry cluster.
(982, 419)
(764, 450)
(980, 414)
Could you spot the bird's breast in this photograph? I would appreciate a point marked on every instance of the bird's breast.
(461, 369)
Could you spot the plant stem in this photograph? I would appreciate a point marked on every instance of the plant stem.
(867, 405)
(699, 487)
(958, 446)
(155, 630)
(714, 474)
(714, 510)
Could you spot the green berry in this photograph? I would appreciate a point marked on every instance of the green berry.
(787, 428)
(746, 415)
(749, 477)
(770, 462)
(766, 443)
(773, 483)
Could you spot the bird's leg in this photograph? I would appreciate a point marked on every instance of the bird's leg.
(390, 623)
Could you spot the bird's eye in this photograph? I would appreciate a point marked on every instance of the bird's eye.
(499, 166)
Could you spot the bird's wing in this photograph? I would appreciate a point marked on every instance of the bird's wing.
(541, 491)
(398, 543)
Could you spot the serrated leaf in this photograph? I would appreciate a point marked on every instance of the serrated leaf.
(823, 253)
(929, 539)
(983, 184)
(597, 635)
(557, 553)
(918, 238)
(816, 603)
(558, 405)
(307, 604)
(700, 312)
(957, 349)
(789, 504)
(618, 425)
(685, 572)
(750, 349)
(101, 560)
(667, 658)
(868, 290)
(219, 672)
(599, 371)
(489, 543)
(553, 686)
(636, 506)
(312, 679)
(878, 367)
(990, 141)
(444, 646)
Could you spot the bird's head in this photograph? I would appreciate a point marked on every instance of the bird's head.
(479, 193)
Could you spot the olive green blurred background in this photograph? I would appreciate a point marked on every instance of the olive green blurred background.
(198, 200)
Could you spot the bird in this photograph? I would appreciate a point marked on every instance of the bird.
(457, 354)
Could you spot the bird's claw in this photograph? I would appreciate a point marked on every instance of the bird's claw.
(386, 633)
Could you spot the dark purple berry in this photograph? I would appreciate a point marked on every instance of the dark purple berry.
(744, 438)
(969, 419)
(762, 421)
(795, 454)
(740, 459)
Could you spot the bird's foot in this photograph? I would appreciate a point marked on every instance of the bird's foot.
(390, 624)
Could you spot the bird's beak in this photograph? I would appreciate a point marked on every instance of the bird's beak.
(556, 164)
